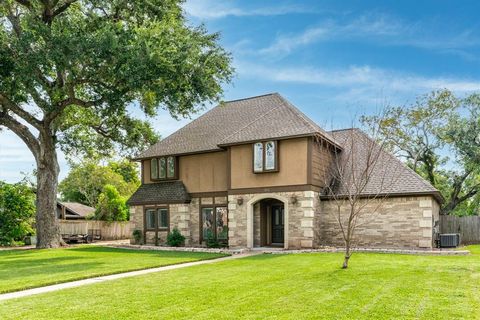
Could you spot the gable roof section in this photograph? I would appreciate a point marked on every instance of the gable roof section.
(77, 209)
(390, 176)
(240, 121)
(162, 192)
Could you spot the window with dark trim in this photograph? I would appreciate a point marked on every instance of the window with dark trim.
(265, 156)
(214, 223)
(163, 168)
(156, 219)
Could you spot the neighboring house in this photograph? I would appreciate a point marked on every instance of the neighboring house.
(73, 211)
(249, 173)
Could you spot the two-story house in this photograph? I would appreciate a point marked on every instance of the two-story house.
(251, 173)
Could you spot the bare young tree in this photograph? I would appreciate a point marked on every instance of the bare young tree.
(360, 177)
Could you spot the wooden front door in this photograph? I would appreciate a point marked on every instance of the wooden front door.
(277, 224)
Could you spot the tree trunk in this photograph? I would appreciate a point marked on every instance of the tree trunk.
(347, 257)
(48, 230)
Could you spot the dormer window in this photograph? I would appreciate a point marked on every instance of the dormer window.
(265, 156)
(163, 168)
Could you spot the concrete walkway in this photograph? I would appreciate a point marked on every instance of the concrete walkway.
(78, 283)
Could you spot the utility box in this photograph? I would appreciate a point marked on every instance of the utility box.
(449, 240)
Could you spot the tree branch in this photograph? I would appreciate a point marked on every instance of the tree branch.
(21, 131)
(62, 8)
(9, 105)
(25, 3)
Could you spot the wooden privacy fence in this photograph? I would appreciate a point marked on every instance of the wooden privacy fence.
(109, 230)
(467, 226)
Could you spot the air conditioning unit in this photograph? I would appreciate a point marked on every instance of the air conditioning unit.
(449, 240)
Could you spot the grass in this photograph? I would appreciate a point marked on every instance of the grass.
(298, 286)
(23, 269)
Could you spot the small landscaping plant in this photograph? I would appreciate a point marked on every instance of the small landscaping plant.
(175, 238)
(137, 235)
(212, 241)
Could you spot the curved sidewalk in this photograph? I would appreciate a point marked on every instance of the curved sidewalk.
(78, 283)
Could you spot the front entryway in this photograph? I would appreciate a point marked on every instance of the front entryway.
(269, 223)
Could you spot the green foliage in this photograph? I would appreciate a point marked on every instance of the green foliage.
(86, 180)
(93, 58)
(438, 137)
(212, 241)
(111, 205)
(17, 212)
(137, 235)
(175, 238)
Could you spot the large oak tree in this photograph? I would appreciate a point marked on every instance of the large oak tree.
(73, 73)
(438, 137)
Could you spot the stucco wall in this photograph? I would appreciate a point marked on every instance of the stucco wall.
(400, 222)
(292, 166)
(203, 172)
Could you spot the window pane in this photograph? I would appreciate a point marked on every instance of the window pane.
(270, 155)
(162, 218)
(150, 218)
(222, 223)
(207, 222)
(171, 167)
(163, 168)
(154, 168)
(258, 157)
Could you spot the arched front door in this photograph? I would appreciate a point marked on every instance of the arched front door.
(270, 212)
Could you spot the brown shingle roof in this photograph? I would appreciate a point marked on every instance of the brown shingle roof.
(160, 193)
(390, 176)
(257, 118)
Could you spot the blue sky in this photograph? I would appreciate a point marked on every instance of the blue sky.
(332, 59)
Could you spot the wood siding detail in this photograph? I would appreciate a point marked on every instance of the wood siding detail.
(292, 163)
(321, 162)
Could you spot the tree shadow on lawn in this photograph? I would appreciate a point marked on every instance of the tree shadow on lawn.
(160, 252)
(17, 269)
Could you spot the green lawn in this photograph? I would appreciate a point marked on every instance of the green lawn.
(21, 269)
(297, 286)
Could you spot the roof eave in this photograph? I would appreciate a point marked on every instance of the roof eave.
(311, 134)
(177, 154)
(436, 194)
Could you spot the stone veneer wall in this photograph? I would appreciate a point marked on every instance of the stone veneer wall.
(400, 222)
(184, 216)
(300, 218)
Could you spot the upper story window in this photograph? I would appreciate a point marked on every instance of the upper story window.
(163, 168)
(265, 156)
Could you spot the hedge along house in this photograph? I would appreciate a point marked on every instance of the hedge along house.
(250, 173)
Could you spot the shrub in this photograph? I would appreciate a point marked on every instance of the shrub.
(175, 238)
(212, 241)
(17, 213)
(137, 235)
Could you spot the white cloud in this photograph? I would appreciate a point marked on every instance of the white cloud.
(364, 82)
(384, 29)
(212, 9)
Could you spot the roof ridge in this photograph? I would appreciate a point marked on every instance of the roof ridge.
(345, 129)
(252, 97)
